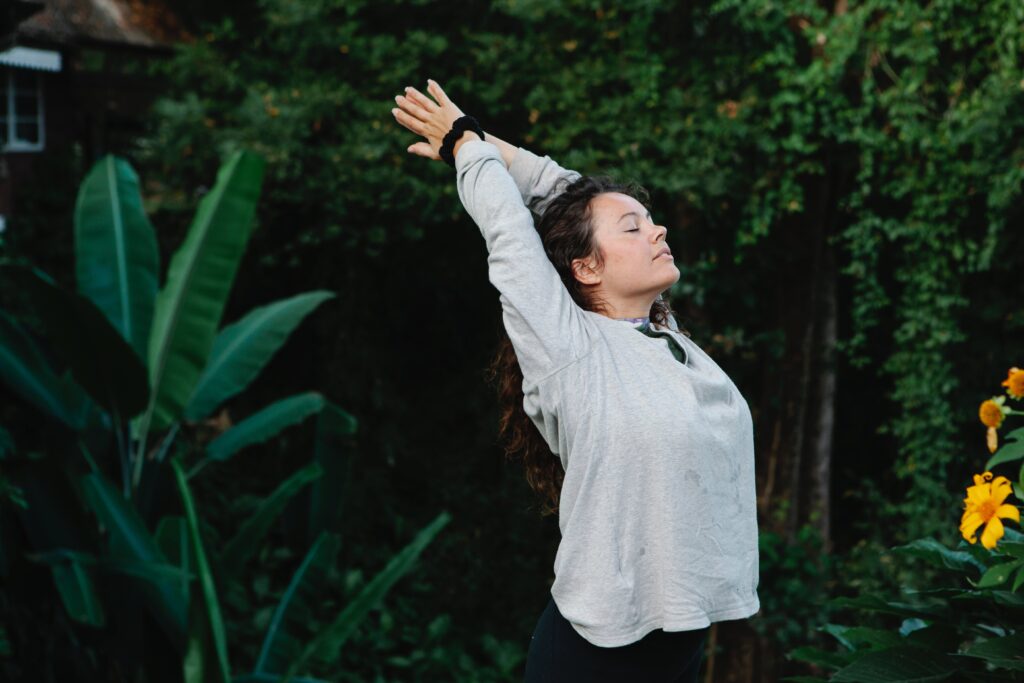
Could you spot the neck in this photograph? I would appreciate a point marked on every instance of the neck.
(638, 307)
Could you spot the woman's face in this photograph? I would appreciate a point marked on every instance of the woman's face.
(634, 263)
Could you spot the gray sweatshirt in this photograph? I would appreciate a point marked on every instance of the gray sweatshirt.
(657, 510)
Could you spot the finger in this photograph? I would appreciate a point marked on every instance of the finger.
(421, 99)
(412, 108)
(410, 122)
(424, 150)
(434, 89)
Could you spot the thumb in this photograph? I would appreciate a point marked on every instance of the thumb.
(423, 149)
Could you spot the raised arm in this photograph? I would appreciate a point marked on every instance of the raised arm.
(538, 178)
(547, 328)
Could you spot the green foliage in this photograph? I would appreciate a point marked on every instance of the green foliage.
(77, 521)
(795, 581)
(946, 633)
(893, 128)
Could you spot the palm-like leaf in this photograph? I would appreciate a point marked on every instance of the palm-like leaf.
(130, 540)
(279, 645)
(99, 358)
(24, 369)
(242, 349)
(116, 255)
(245, 543)
(77, 592)
(326, 647)
(199, 278)
(264, 424)
(207, 656)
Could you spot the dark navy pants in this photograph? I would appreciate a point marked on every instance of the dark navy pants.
(558, 654)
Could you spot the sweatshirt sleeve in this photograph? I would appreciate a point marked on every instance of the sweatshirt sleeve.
(539, 179)
(548, 330)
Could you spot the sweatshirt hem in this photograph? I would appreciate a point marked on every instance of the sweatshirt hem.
(691, 622)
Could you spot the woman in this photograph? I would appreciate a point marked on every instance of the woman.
(637, 436)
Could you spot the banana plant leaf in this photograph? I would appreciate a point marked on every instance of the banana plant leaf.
(281, 644)
(189, 307)
(265, 424)
(116, 255)
(129, 539)
(99, 358)
(246, 542)
(326, 646)
(29, 374)
(206, 659)
(242, 349)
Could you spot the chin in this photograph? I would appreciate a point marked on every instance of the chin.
(672, 280)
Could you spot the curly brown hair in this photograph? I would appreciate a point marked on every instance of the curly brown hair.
(567, 231)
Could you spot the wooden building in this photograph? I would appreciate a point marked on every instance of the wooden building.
(74, 78)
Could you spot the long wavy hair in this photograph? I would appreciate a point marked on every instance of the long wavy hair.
(566, 229)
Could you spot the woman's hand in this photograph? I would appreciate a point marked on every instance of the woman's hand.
(423, 116)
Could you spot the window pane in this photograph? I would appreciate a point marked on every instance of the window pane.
(26, 105)
(26, 132)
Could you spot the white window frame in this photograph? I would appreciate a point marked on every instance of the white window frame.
(13, 144)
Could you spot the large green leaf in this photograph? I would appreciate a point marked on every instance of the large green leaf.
(852, 637)
(265, 424)
(998, 574)
(242, 349)
(158, 572)
(130, 540)
(1006, 652)
(206, 659)
(77, 592)
(297, 606)
(27, 372)
(821, 658)
(903, 663)
(1012, 449)
(116, 255)
(326, 647)
(99, 358)
(200, 275)
(876, 603)
(245, 543)
(939, 555)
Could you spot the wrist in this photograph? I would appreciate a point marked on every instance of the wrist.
(466, 136)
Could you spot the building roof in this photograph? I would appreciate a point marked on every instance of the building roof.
(149, 24)
(13, 12)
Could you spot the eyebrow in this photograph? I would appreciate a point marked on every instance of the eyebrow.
(632, 213)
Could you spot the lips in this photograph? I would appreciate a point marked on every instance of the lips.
(664, 251)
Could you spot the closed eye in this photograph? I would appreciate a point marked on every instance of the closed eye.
(634, 230)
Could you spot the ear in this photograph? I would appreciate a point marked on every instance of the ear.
(585, 270)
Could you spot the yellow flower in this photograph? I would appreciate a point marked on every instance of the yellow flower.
(991, 413)
(984, 505)
(1014, 383)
